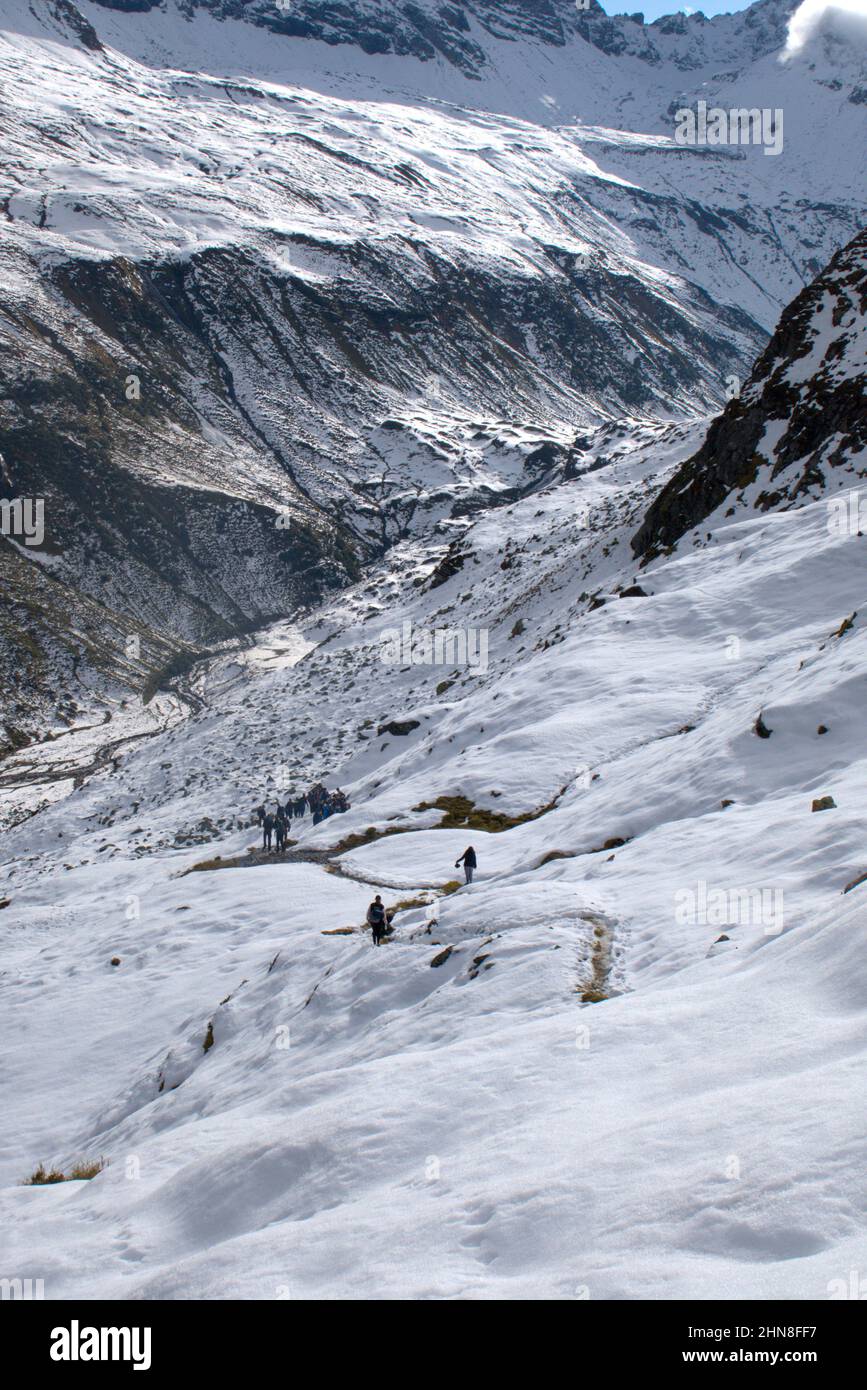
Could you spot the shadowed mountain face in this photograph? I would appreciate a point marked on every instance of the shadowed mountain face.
(254, 330)
(798, 428)
(218, 442)
(170, 523)
(460, 33)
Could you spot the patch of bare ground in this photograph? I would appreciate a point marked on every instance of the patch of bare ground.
(459, 813)
(596, 985)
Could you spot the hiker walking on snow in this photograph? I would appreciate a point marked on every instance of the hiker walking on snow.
(280, 832)
(468, 859)
(267, 830)
(376, 919)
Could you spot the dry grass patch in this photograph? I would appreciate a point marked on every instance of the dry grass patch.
(83, 1170)
(407, 904)
(205, 865)
(459, 813)
(367, 837)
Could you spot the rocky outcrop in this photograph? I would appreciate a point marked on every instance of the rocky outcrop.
(800, 419)
(398, 728)
(459, 32)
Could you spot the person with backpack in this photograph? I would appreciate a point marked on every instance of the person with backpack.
(376, 919)
(259, 813)
(267, 831)
(280, 832)
(468, 859)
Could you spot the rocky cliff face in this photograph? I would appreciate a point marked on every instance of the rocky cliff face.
(460, 33)
(798, 428)
(416, 28)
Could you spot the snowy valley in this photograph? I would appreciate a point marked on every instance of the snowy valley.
(436, 488)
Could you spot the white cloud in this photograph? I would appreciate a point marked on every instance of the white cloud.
(848, 17)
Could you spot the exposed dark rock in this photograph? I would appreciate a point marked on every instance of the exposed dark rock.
(825, 416)
(424, 30)
(856, 882)
(442, 957)
(451, 564)
(614, 843)
(72, 18)
(129, 6)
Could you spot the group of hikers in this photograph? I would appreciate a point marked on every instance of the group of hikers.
(379, 917)
(323, 803)
(318, 800)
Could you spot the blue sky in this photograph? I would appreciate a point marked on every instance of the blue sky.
(652, 9)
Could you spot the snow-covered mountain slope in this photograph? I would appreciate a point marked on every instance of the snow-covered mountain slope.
(271, 301)
(621, 1064)
(798, 429)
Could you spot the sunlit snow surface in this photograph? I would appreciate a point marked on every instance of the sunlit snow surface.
(192, 133)
(364, 1120)
(367, 1124)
